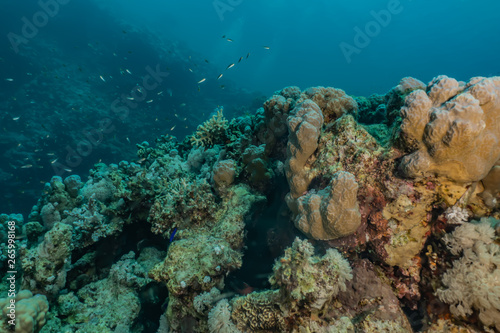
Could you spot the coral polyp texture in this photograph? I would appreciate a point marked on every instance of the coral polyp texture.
(320, 212)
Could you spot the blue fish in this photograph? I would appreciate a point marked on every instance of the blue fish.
(172, 235)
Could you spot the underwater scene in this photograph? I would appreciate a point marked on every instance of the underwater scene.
(257, 166)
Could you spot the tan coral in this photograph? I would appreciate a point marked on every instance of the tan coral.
(258, 311)
(332, 212)
(305, 128)
(224, 173)
(30, 312)
(454, 127)
(333, 102)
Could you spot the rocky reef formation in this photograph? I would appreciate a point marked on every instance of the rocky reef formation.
(368, 207)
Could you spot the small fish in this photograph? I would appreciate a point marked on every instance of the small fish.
(10, 80)
(54, 161)
(68, 170)
(150, 101)
(202, 80)
(27, 166)
(16, 118)
(224, 36)
(229, 40)
(222, 86)
(190, 70)
(141, 160)
(160, 93)
(126, 70)
(51, 154)
(206, 61)
(175, 114)
(128, 140)
(184, 119)
(130, 98)
(173, 127)
(266, 47)
(230, 66)
(241, 58)
(220, 75)
(172, 235)
(248, 55)
(102, 78)
(29, 74)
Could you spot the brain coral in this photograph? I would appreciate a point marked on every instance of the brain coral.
(453, 129)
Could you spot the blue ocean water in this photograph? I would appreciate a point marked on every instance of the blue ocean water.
(361, 47)
(88, 83)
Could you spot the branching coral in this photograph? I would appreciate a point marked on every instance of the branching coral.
(211, 131)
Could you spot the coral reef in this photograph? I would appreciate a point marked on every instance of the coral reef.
(321, 212)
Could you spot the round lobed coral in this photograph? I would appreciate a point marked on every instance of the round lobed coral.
(453, 128)
(30, 312)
